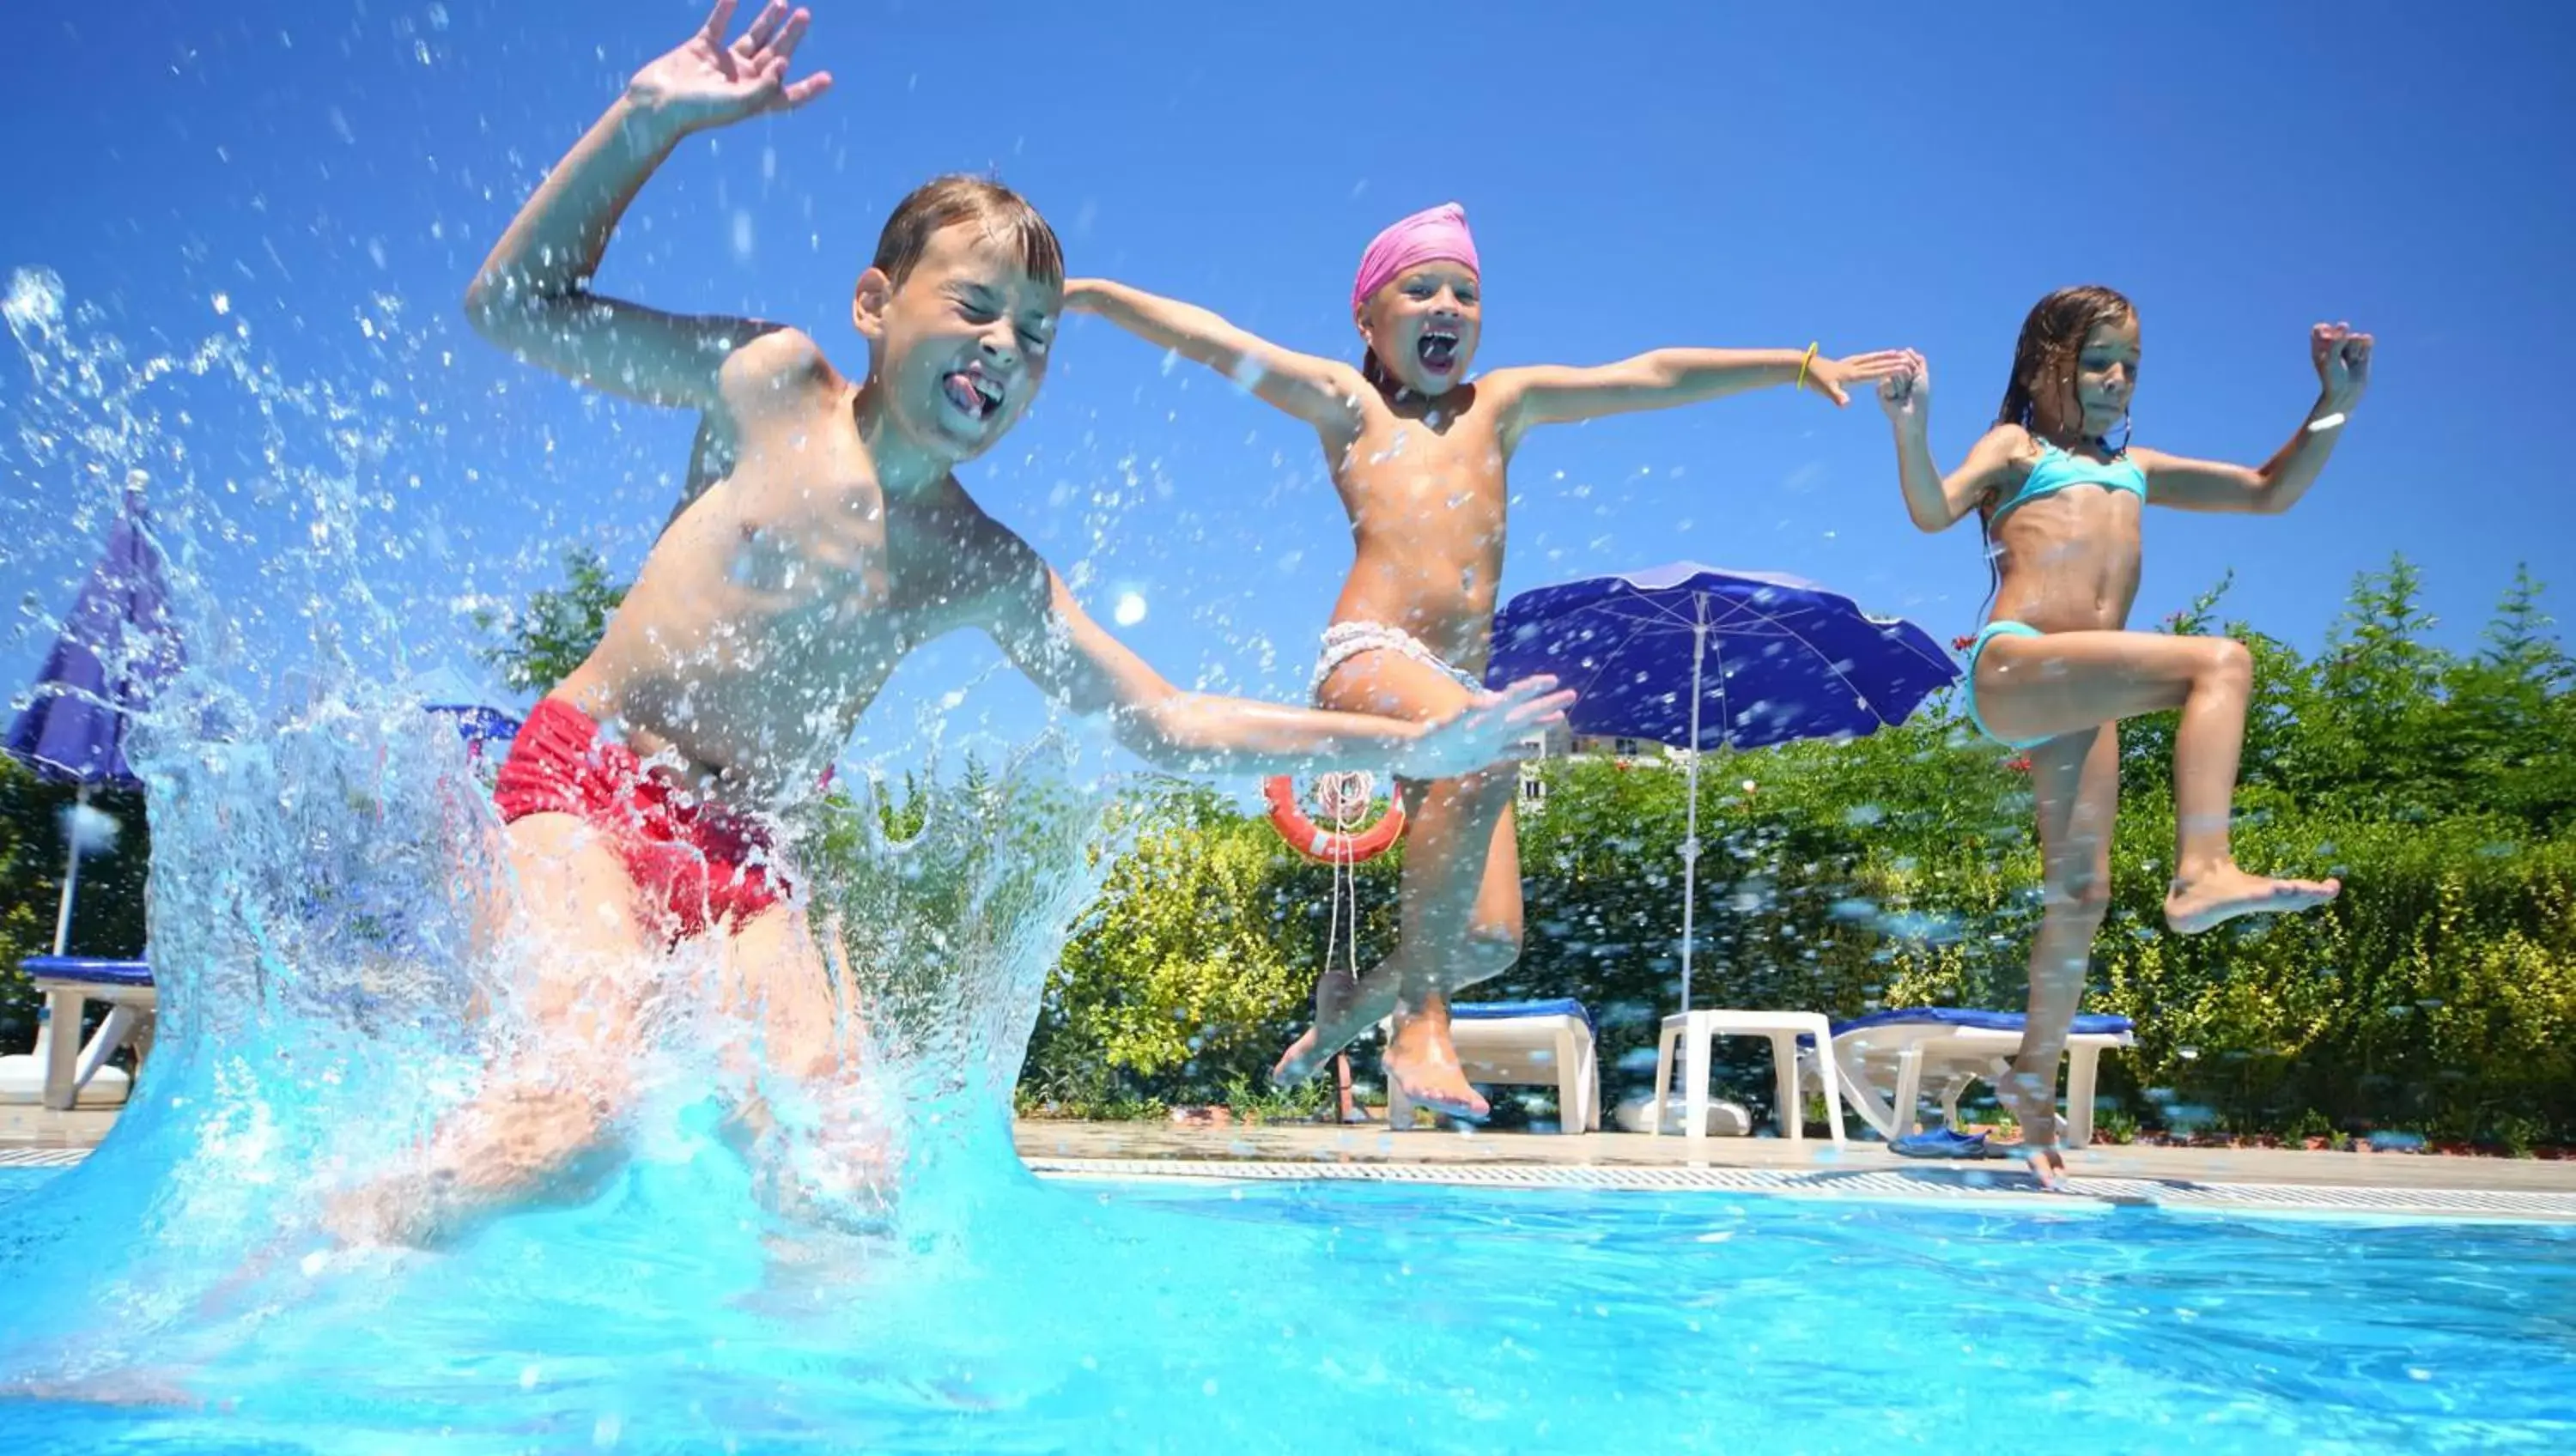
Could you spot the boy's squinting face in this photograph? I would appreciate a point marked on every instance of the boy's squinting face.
(961, 344)
(1423, 326)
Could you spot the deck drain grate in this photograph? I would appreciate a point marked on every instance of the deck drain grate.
(41, 1157)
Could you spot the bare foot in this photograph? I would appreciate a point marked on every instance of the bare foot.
(1342, 1015)
(1421, 1059)
(2031, 1097)
(2208, 900)
(2047, 1166)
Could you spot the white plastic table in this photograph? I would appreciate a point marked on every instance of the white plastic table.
(1691, 1033)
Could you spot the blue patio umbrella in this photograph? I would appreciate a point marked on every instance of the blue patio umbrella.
(1699, 658)
(464, 700)
(116, 649)
(476, 723)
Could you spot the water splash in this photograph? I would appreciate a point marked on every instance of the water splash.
(331, 907)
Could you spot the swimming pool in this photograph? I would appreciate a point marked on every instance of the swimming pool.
(1178, 1315)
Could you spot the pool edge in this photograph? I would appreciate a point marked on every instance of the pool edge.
(1944, 1187)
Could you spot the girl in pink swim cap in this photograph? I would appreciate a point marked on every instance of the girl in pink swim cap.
(1419, 451)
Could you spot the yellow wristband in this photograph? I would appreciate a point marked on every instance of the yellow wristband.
(1803, 363)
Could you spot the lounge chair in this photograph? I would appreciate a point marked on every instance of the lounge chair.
(1951, 1047)
(1523, 1044)
(62, 1070)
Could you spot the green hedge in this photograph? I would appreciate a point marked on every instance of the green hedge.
(2438, 995)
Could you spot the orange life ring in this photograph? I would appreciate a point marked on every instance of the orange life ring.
(1327, 846)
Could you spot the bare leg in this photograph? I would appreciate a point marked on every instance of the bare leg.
(1347, 1107)
(789, 1001)
(1460, 916)
(2076, 779)
(539, 1127)
(2064, 682)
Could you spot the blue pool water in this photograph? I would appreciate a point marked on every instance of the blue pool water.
(1188, 1316)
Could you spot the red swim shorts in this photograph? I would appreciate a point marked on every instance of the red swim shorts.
(696, 864)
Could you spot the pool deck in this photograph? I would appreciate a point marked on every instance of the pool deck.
(2217, 1180)
(2274, 1181)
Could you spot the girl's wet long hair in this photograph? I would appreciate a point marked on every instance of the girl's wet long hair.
(2052, 337)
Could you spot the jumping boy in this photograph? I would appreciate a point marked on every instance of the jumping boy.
(826, 539)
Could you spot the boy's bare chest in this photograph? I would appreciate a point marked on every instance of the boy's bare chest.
(828, 551)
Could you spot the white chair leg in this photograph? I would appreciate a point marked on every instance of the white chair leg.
(1828, 1078)
(1569, 1094)
(1784, 1086)
(2081, 1064)
(1860, 1092)
(1664, 1045)
(111, 1035)
(1695, 1056)
(1591, 1084)
(1909, 1091)
(63, 1010)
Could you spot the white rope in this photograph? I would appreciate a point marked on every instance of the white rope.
(1344, 798)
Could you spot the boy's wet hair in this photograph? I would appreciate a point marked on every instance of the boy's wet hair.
(956, 198)
(2053, 335)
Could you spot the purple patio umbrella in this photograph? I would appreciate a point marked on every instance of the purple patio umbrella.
(1701, 658)
(116, 649)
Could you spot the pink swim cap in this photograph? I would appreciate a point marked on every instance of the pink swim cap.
(1435, 234)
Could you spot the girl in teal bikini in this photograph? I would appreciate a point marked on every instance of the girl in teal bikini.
(2055, 669)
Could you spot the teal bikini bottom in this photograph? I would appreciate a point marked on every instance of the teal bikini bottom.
(1986, 634)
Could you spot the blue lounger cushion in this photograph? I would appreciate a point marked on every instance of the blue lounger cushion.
(1507, 1010)
(82, 968)
(2094, 1024)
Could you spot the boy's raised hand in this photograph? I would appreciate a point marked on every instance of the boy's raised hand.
(706, 82)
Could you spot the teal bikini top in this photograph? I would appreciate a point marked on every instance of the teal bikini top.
(2055, 470)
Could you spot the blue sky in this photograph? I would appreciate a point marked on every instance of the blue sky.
(1645, 175)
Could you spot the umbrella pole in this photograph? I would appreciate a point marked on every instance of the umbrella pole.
(1690, 832)
(71, 875)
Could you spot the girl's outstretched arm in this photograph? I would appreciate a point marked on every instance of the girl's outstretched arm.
(1554, 393)
(1937, 501)
(1324, 393)
(2342, 358)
